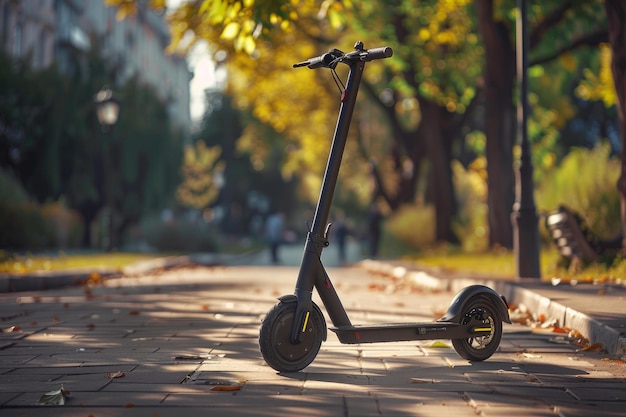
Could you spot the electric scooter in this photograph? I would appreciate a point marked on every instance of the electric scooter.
(292, 332)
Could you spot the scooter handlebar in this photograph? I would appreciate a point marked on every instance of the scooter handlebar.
(332, 57)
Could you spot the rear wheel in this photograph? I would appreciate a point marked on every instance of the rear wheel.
(275, 338)
(482, 313)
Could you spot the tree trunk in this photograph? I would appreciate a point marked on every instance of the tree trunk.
(499, 124)
(441, 188)
(616, 19)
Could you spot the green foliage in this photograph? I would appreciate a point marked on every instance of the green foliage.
(22, 226)
(28, 226)
(51, 140)
(470, 223)
(146, 174)
(586, 182)
(180, 235)
(10, 188)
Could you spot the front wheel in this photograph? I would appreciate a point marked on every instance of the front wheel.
(275, 338)
(481, 311)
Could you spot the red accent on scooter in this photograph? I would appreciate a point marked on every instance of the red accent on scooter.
(344, 95)
(357, 336)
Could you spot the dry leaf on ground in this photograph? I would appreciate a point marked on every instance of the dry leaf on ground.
(56, 397)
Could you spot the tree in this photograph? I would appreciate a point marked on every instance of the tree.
(616, 17)
(574, 25)
(433, 40)
(52, 140)
(145, 171)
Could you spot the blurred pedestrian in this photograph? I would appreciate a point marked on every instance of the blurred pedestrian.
(274, 227)
(374, 220)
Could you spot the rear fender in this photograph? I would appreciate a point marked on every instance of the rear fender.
(457, 306)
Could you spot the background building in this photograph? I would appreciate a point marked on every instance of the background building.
(52, 31)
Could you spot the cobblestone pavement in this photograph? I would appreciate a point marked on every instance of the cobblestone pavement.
(184, 342)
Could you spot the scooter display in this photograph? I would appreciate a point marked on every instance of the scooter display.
(292, 332)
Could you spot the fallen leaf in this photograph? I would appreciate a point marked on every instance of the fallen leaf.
(56, 397)
(226, 388)
(422, 381)
(114, 375)
(10, 329)
(593, 348)
(529, 355)
(439, 345)
(134, 313)
(558, 329)
(191, 357)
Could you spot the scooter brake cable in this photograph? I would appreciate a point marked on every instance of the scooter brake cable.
(338, 81)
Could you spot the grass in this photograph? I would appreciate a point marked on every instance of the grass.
(11, 263)
(503, 263)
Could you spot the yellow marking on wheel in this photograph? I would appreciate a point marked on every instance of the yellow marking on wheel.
(306, 321)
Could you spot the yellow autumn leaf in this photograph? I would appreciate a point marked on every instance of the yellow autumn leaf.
(438, 344)
(230, 32)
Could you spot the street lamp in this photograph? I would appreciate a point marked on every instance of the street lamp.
(524, 216)
(108, 110)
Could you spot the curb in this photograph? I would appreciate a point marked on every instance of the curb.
(612, 340)
(47, 280)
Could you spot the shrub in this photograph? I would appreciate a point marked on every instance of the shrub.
(585, 181)
(25, 225)
(64, 227)
(180, 235)
(22, 226)
(413, 225)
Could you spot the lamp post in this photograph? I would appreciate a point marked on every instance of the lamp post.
(524, 216)
(108, 110)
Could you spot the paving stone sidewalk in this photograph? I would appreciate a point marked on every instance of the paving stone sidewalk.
(185, 342)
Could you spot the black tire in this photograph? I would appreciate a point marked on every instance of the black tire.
(479, 348)
(275, 338)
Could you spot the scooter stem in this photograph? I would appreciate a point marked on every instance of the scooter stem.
(316, 237)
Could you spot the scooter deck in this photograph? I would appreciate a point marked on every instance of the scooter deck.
(395, 332)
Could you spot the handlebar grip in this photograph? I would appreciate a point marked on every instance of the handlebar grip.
(322, 61)
(379, 53)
